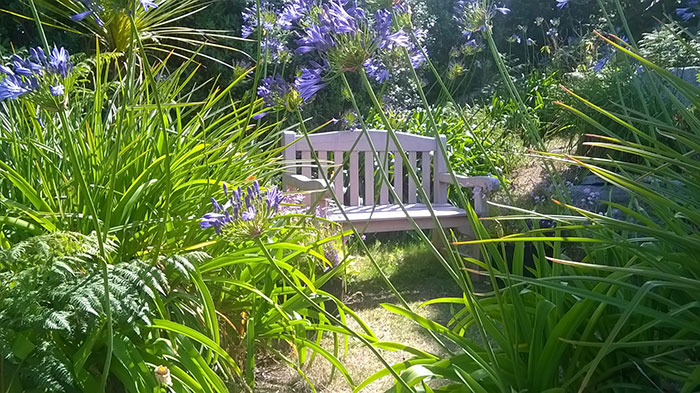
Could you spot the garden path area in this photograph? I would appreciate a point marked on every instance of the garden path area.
(418, 276)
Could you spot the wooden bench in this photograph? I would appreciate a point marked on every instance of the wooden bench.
(356, 184)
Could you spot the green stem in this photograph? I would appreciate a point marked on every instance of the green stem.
(454, 256)
(39, 27)
(68, 140)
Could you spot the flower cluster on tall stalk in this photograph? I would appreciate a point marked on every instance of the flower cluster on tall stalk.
(97, 9)
(245, 214)
(331, 37)
(38, 74)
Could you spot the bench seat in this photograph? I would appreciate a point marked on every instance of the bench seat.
(391, 218)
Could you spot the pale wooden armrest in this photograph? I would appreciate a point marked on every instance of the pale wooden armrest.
(486, 183)
(316, 188)
(303, 183)
(482, 186)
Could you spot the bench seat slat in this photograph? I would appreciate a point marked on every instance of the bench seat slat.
(389, 218)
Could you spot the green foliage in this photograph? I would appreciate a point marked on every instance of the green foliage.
(601, 302)
(136, 164)
(53, 326)
(503, 146)
(669, 46)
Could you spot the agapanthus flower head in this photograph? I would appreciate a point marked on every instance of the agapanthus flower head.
(28, 75)
(245, 214)
(690, 9)
(275, 49)
(59, 62)
(273, 90)
(474, 15)
(295, 11)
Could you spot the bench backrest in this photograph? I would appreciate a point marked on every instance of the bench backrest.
(357, 184)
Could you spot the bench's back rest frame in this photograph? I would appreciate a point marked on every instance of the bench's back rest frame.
(351, 151)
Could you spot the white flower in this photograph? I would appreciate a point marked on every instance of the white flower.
(163, 376)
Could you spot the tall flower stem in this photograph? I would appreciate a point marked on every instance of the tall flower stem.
(454, 256)
(460, 113)
(532, 130)
(68, 140)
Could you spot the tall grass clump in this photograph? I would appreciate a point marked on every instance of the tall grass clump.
(591, 300)
(118, 275)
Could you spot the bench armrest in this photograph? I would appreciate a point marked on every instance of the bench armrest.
(316, 188)
(482, 186)
(303, 183)
(486, 183)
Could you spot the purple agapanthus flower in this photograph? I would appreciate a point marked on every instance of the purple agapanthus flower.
(59, 62)
(562, 3)
(148, 4)
(25, 74)
(6, 70)
(338, 19)
(93, 9)
(293, 12)
(273, 90)
(690, 10)
(12, 87)
(309, 82)
(57, 90)
(252, 205)
(377, 70)
(317, 38)
(398, 39)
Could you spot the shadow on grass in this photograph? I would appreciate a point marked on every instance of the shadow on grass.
(410, 266)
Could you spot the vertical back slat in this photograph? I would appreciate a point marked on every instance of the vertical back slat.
(440, 167)
(413, 162)
(369, 179)
(339, 183)
(398, 176)
(306, 163)
(384, 190)
(425, 172)
(354, 186)
(290, 153)
(325, 165)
